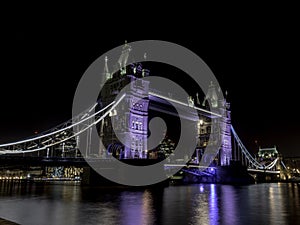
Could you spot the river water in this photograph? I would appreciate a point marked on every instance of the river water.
(266, 203)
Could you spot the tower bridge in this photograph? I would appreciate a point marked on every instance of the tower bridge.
(60, 145)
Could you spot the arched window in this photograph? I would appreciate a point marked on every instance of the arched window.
(208, 130)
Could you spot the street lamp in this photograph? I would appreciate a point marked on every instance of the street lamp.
(201, 122)
(199, 132)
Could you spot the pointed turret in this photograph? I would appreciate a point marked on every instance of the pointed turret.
(124, 58)
(197, 99)
(212, 96)
(106, 73)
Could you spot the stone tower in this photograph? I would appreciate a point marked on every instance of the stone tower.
(131, 123)
(220, 132)
(225, 133)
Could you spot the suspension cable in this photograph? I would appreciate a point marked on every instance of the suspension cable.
(17, 151)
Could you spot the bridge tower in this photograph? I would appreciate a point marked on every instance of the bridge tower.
(225, 133)
(132, 124)
(221, 132)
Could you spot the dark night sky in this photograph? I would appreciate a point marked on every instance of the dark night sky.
(255, 60)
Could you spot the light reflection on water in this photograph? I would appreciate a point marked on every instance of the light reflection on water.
(191, 204)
